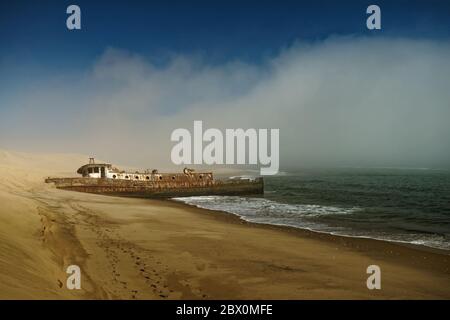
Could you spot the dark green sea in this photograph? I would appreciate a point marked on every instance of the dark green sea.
(405, 205)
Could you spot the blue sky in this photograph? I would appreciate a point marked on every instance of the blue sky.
(35, 42)
(34, 33)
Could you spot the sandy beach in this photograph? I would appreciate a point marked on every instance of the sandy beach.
(153, 249)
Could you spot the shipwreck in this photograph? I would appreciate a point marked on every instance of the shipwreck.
(103, 178)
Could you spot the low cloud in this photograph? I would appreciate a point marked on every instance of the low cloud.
(340, 102)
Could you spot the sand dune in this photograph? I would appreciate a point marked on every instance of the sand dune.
(28, 268)
(147, 249)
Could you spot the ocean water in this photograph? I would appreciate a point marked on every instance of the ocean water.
(404, 205)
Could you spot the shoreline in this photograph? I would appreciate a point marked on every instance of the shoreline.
(358, 244)
(302, 231)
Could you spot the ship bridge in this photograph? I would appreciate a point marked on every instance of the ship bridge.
(95, 170)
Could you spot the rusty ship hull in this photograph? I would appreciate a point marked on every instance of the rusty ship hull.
(159, 189)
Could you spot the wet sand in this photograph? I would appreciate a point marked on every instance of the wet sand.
(150, 249)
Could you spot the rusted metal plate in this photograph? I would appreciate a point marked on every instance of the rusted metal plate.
(165, 188)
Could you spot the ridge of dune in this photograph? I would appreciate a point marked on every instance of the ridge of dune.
(28, 268)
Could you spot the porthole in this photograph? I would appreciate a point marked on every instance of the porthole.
(147, 177)
(173, 177)
(114, 176)
(127, 177)
(160, 177)
(136, 177)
